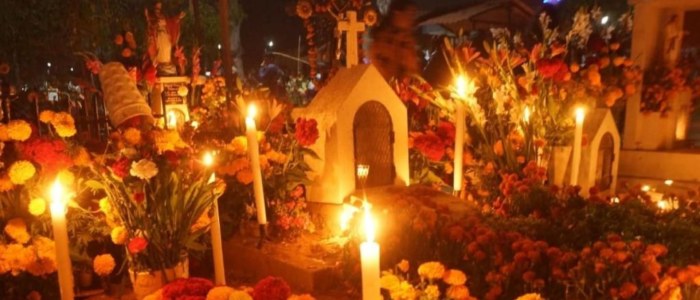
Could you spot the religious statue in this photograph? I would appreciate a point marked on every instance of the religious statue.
(163, 35)
(673, 36)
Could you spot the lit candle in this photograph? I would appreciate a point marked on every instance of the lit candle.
(216, 246)
(172, 120)
(60, 235)
(369, 256)
(461, 91)
(578, 137)
(526, 115)
(254, 155)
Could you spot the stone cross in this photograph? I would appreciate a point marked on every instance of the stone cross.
(352, 27)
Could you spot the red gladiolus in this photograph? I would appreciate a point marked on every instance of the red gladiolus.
(137, 245)
(446, 131)
(306, 131)
(548, 67)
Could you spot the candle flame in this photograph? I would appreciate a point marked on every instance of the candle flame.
(580, 114)
(461, 86)
(464, 88)
(362, 171)
(252, 111)
(646, 188)
(369, 224)
(57, 194)
(172, 120)
(346, 215)
(208, 159)
(663, 204)
(526, 114)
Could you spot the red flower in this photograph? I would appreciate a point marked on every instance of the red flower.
(137, 245)
(190, 288)
(271, 288)
(139, 197)
(172, 157)
(548, 67)
(430, 145)
(446, 131)
(277, 124)
(121, 167)
(306, 131)
(51, 155)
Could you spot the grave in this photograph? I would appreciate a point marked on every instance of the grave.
(651, 140)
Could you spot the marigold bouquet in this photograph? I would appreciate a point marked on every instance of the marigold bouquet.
(158, 196)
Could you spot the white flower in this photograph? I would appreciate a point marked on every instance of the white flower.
(144, 169)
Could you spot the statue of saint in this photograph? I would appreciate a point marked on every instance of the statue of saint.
(673, 36)
(163, 35)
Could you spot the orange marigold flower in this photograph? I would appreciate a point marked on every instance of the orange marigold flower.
(431, 270)
(628, 290)
(454, 277)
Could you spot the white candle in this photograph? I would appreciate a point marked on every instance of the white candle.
(215, 231)
(461, 90)
(60, 235)
(578, 137)
(254, 155)
(369, 256)
(172, 120)
(526, 115)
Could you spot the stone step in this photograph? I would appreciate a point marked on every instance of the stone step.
(305, 269)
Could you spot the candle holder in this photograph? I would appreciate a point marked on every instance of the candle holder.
(362, 174)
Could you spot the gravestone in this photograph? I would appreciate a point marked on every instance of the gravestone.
(650, 139)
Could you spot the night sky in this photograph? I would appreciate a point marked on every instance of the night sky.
(267, 20)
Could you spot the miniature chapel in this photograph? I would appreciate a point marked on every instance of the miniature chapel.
(361, 121)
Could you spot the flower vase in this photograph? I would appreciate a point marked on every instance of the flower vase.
(559, 163)
(147, 282)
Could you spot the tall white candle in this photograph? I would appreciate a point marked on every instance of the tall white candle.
(460, 127)
(369, 256)
(459, 146)
(578, 137)
(60, 235)
(215, 231)
(254, 155)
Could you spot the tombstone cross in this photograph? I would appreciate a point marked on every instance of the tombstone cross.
(352, 27)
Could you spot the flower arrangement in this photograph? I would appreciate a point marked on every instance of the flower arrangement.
(541, 242)
(436, 282)
(157, 193)
(29, 163)
(661, 86)
(284, 147)
(269, 288)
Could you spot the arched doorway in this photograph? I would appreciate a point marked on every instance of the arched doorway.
(373, 139)
(606, 156)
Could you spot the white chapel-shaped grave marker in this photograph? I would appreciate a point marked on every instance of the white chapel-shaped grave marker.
(351, 27)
